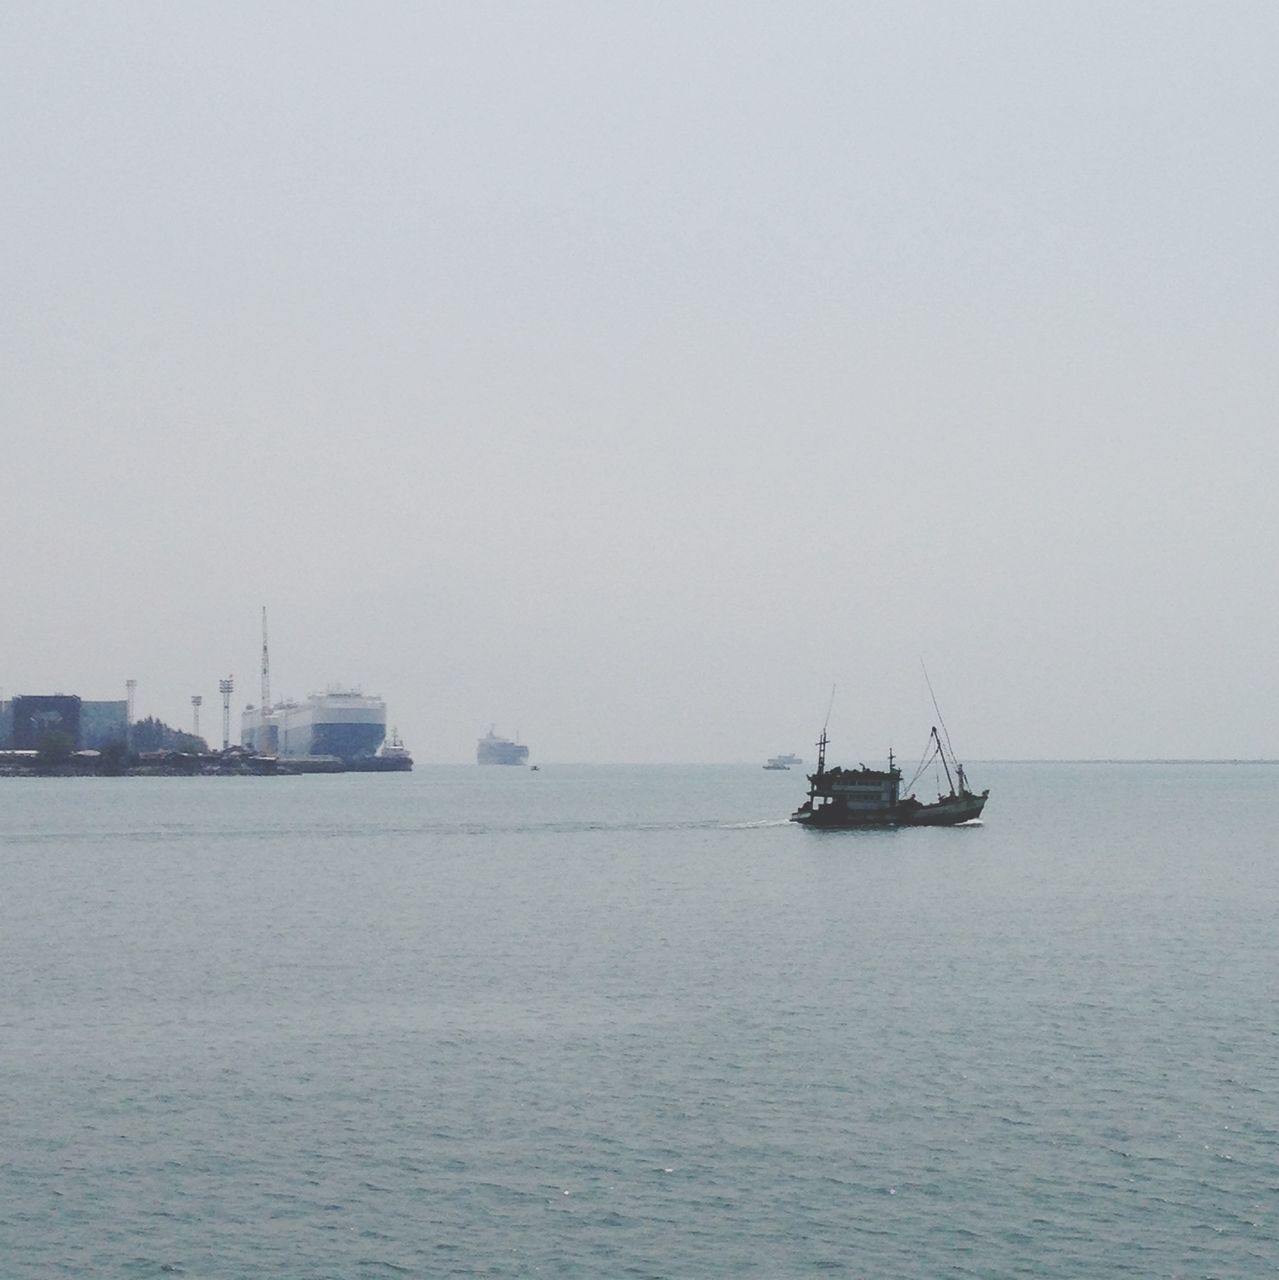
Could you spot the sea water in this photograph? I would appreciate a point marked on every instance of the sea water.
(623, 1021)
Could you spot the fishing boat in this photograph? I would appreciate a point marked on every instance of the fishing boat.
(841, 798)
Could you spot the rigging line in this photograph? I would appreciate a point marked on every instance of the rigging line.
(829, 708)
(930, 754)
(937, 709)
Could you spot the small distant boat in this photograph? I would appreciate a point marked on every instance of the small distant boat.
(782, 762)
(844, 798)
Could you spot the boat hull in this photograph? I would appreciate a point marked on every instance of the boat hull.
(949, 811)
(382, 764)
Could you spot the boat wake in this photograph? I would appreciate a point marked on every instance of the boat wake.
(585, 827)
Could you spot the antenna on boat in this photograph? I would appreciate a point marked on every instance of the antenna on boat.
(937, 709)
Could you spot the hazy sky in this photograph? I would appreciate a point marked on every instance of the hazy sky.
(628, 373)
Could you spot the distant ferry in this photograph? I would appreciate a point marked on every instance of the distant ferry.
(782, 762)
(492, 749)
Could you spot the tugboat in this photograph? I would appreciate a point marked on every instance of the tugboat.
(393, 758)
(844, 798)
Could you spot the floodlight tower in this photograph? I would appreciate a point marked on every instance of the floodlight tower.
(196, 701)
(225, 688)
(263, 745)
(130, 688)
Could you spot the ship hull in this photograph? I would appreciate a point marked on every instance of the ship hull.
(346, 741)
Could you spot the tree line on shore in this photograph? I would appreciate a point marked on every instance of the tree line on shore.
(56, 750)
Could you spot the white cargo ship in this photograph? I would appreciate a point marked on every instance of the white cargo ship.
(494, 749)
(342, 722)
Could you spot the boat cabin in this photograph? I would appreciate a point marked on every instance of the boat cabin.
(859, 791)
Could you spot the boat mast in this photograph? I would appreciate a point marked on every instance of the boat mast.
(814, 779)
(941, 752)
(821, 742)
